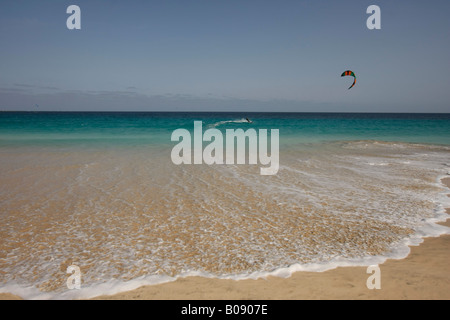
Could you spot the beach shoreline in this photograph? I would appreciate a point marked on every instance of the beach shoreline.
(423, 274)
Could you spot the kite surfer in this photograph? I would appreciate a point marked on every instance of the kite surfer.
(350, 73)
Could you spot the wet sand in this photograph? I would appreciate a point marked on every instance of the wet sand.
(423, 274)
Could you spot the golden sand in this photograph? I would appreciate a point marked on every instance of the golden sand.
(423, 274)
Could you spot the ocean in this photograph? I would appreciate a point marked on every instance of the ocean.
(101, 192)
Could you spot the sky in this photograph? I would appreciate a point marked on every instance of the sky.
(225, 55)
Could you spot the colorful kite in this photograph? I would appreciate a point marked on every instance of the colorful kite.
(349, 73)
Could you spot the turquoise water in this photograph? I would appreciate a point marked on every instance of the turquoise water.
(92, 129)
(99, 191)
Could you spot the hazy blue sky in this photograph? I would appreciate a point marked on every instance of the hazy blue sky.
(225, 55)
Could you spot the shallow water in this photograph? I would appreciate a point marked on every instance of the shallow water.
(125, 214)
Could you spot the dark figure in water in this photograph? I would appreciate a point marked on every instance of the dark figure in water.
(248, 120)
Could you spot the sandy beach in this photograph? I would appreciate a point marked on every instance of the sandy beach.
(423, 274)
(222, 151)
